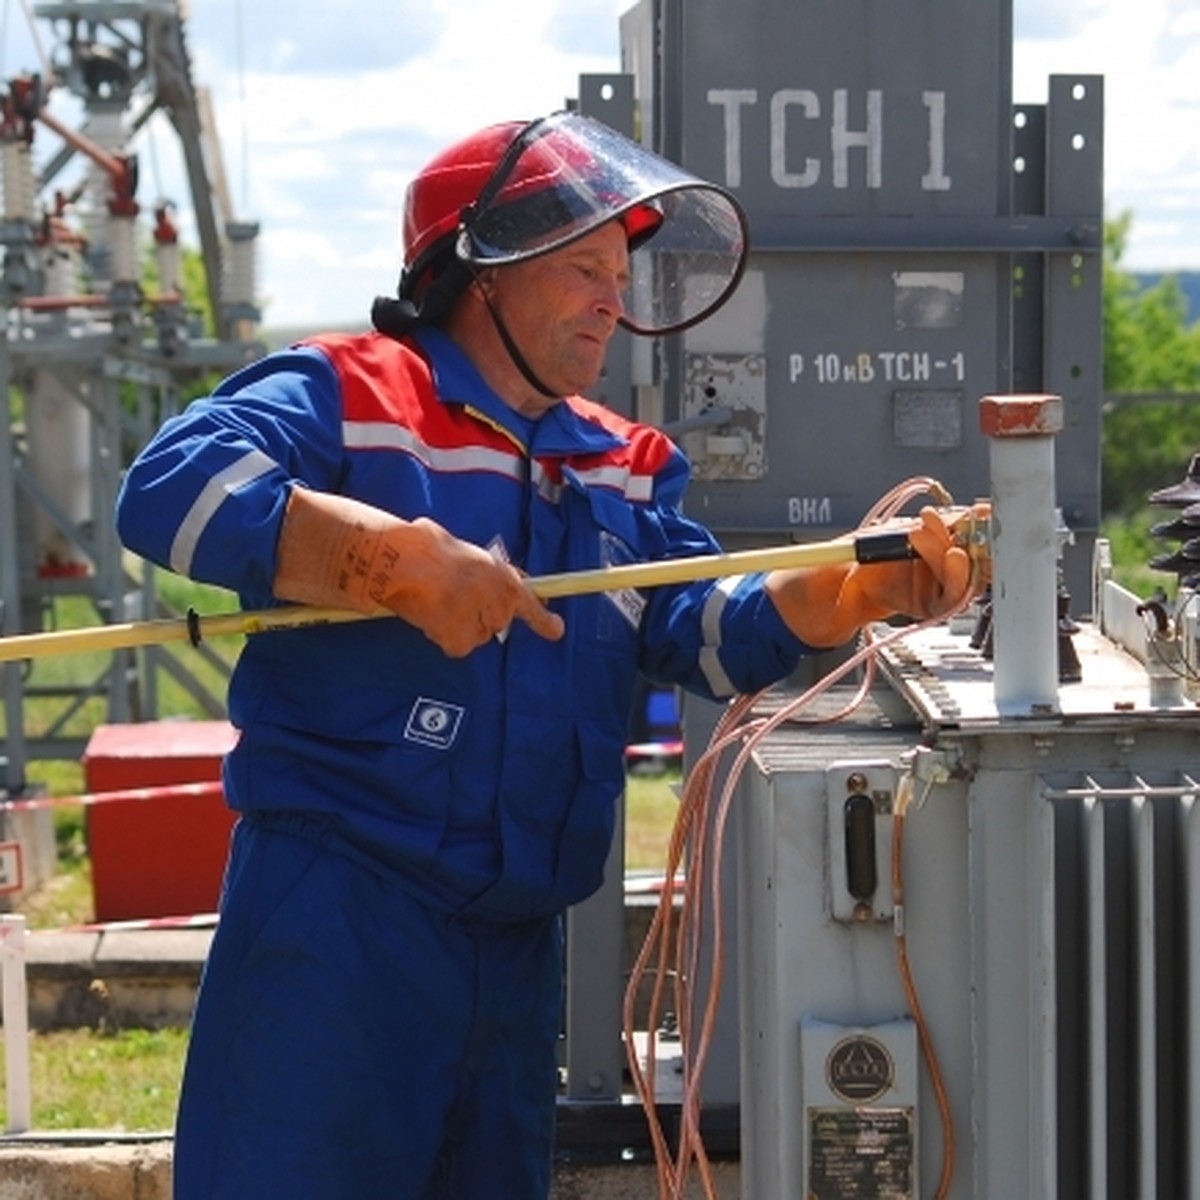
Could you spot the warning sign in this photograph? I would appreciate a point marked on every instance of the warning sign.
(10, 867)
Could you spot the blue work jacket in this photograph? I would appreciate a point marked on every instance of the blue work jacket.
(487, 783)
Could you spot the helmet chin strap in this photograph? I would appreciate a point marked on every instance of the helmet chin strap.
(511, 346)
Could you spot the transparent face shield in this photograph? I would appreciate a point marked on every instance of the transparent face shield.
(565, 175)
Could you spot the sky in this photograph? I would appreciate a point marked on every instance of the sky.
(326, 115)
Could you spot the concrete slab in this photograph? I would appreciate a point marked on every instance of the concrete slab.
(114, 978)
(147, 953)
(38, 1170)
(99, 1172)
(50, 951)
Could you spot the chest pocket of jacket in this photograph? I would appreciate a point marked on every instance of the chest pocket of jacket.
(610, 538)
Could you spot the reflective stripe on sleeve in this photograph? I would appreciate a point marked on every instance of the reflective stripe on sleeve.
(710, 627)
(245, 470)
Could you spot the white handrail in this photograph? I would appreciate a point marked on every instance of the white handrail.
(15, 1011)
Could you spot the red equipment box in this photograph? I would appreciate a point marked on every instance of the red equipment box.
(161, 854)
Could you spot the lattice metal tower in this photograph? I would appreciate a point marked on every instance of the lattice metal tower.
(93, 357)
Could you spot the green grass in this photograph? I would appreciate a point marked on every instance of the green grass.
(1133, 547)
(651, 803)
(126, 1081)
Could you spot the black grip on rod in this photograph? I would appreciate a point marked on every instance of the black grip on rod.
(882, 547)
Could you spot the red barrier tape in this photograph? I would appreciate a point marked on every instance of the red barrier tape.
(197, 790)
(197, 921)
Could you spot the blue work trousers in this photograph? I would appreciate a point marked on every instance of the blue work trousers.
(351, 1044)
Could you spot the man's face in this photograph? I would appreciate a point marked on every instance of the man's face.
(562, 308)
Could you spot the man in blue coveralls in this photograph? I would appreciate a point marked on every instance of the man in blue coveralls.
(422, 795)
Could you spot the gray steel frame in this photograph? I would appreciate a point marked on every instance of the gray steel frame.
(135, 366)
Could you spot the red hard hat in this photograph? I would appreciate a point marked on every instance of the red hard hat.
(516, 190)
(446, 189)
(436, 198)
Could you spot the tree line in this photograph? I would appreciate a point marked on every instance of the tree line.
(1151, 421)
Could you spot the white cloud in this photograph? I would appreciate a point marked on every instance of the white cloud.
(367, 131)
(1057, 20)
(325, 118)
(1149, 56)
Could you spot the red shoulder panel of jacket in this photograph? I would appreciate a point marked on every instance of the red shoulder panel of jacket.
(391, 382)
(381, 378)
(647, 449)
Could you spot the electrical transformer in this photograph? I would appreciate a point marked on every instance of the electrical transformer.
(969, 913)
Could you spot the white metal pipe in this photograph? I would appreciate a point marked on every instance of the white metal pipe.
(1024, 533)
(104, 128)
(16, 1023)
(59, 425)
(169, 259)
(20, 187)
(239, 284)
(122, 233)
(61, 266)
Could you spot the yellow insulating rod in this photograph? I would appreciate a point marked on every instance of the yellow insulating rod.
(870, 546)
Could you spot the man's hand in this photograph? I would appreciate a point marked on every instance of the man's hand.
(338, 552)
(826, 606)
